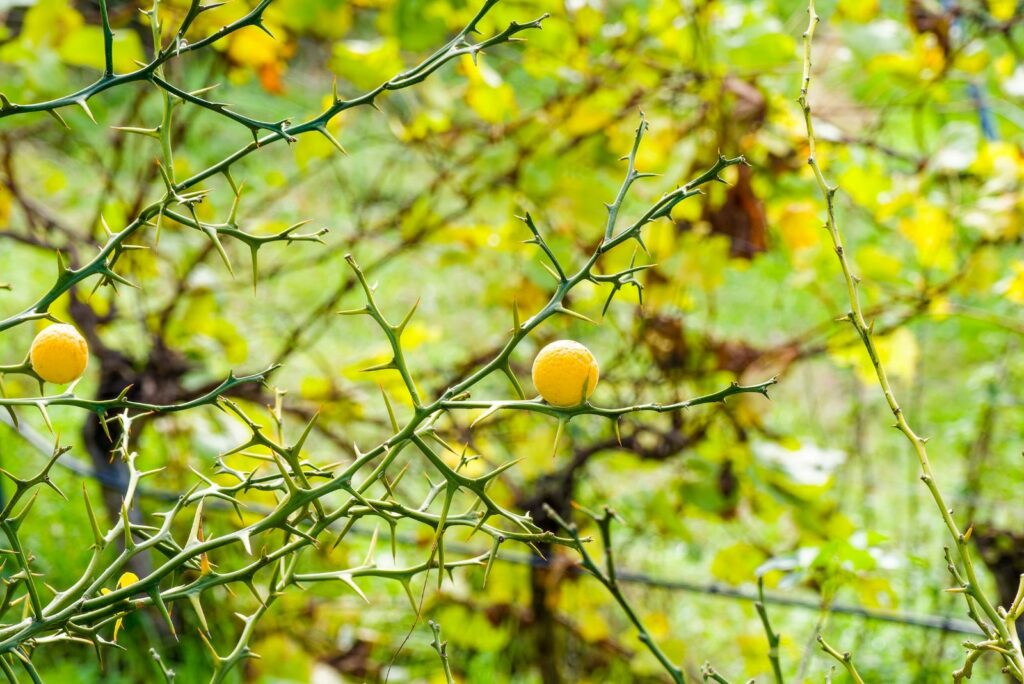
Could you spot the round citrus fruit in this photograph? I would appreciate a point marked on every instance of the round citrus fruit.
(565, 373)
(59, 354)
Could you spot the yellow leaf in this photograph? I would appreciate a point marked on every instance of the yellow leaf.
(593, 113)
(931, 60)
(931, 231)
(310, 148)
(658, 625)
(48, 22)
(940, 307)
(897, 352)
(366, 63)
(127, 579)
(253, 47)
(83, 47)
(801, 226)
(422, 125)
(5, 208)
(973, 59)
(753, 647)
(1000, 161)
(1014, 286)
(487, 94)
(593, 627)
(866, 184)
(858, 10)
(417, 334)
(1004, 66)
(1002, 10)
(737, 563)
(875, 592)
(877, 264)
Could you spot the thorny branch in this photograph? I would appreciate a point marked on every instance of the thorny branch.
(312, 502)
(997, 623)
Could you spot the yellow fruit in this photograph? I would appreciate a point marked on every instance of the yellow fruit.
(563, 371)
(59, 354)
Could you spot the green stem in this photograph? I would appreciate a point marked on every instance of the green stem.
(1014, 658)
(608, 579)
(844, 658)
(442, 651)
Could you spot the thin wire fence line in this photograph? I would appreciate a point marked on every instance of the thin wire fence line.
(939, 623)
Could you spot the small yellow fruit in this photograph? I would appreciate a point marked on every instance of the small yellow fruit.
(563, 371)
(59, 354)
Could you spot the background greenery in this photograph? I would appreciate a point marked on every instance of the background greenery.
(921, 118)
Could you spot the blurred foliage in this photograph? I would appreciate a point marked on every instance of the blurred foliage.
(920, 121)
